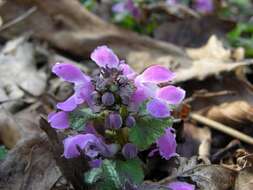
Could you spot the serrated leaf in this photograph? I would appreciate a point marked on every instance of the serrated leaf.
(130, 169)
(147, 130)
(111, 177)
(93, 175)
(78, 118)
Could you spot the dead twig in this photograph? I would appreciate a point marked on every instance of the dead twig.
(223, 128)
(205, 94)
(231, 147)
(18, 19)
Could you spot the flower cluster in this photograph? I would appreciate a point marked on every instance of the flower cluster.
(132, 8)
(127, 6)
(117, 113)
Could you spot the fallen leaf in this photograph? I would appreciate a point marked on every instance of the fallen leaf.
(211, 177)
(29, 166)
(14, 128)
(17, 57)
(244, 180)
(237, 114)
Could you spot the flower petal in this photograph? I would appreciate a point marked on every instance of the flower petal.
(158, 109)
(68, 105)
(171, 94)
(178, 185)
(157, 74)
(104, 57)
(69, 72)
(83, 92)
(167, 144)
(119, 7)
(81, 140)
(59, 120)
(127, 71)
(204, 6)
(139, 96)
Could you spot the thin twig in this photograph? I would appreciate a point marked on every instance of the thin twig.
(205, 94)
(18, 19)
(231, 147)
(223, 128)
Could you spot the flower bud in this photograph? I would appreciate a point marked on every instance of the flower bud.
(113, 121)
(129, 151)
(122, 79)
(108, 99)
(130, 121)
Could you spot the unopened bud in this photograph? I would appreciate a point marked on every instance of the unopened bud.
(113, 121)
(130, 121)
(129, 151)
(108, 99)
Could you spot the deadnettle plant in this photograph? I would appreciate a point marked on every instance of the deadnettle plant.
(117, 114)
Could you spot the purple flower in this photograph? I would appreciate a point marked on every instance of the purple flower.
(87, 142)
(178, 185)
(204, 6)
(166, 145)
(58, 120)
(82, 85)
(90, 144)
(127, 6)
(161, 98)
(129, 151)
(103, 57)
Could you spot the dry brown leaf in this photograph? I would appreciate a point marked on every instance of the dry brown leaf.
(212, 50)
(244, 180)
(206, 177)
(14, 128)
(211, 59)
(29, 166)
(18, 58)
(211, 177)
(234, 114)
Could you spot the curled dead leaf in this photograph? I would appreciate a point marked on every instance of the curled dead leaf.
(212, 50)
(30, 165)
(234, 114)
(244, 180)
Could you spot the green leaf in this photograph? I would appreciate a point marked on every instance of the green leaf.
(78, 118)
(3, 152)
(147, 130)
(130, 169)
(93, 175)
(111, 179)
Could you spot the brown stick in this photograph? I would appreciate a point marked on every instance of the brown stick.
(223, 128)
